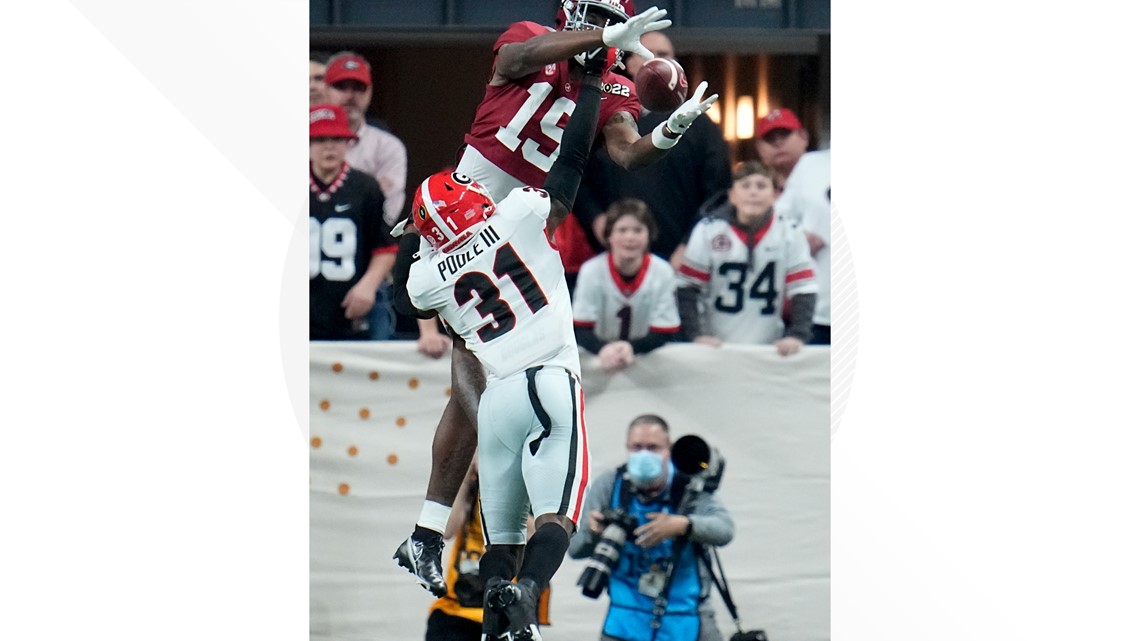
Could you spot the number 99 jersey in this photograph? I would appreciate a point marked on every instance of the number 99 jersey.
(745, 279)
(504, 291)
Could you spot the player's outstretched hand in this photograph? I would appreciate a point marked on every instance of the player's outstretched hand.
(627, 35)
(689, 110)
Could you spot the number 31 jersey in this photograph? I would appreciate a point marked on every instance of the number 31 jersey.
(504, 291)
(745, 279)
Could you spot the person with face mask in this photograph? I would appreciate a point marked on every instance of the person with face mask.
(649, 489)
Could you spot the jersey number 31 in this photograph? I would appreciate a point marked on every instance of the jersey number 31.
(507, 264)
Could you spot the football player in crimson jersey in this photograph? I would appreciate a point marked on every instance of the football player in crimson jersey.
(626, 299)
(515, 137)
(529, 108)
(741, 262)
(490, 270)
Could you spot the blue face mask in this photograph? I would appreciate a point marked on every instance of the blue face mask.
(644, 467)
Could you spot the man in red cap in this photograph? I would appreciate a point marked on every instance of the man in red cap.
(780, 141)
(378, 153)
(350, 252)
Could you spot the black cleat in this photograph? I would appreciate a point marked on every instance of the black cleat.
(423, 558)
(494, 623)
(518, 602)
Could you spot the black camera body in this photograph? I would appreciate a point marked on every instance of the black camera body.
(750, 635)
(617, 527)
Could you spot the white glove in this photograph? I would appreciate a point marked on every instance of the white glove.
(680, 119)
(689, 110)
(627, 35)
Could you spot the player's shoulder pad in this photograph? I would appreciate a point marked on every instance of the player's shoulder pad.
(525, 200)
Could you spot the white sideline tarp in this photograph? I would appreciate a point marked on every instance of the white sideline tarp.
(373, 411)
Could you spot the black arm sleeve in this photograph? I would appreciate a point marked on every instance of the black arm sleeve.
(409, 244)
(799, 325)
(649, 342)
(690, 316)
(588, 339)
(564, 177)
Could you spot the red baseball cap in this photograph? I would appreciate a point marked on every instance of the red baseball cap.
(776, 119)
(329, 121)
(350, 67)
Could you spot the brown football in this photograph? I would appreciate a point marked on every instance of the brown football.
(661, 85)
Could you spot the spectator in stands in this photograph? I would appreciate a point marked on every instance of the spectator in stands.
(458, 615)
(651, 490)
(317, 64)
(674, 187)
(350, 250)
(807, 199)
(376, 152)
(741, 262)
(626, 300)
(780, 141)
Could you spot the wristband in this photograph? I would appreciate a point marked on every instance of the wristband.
(660, 140)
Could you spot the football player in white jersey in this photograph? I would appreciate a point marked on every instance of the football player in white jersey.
(492, 274)
(741, 264)
(625, 302)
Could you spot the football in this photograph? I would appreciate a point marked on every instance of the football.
(661, 85)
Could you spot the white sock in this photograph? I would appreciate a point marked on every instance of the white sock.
(434, 516)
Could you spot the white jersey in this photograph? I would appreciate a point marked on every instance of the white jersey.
(617, 310)
(504, 291)
(807, 199)
(744, 281)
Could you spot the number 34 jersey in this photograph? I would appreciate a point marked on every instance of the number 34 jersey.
(745, 279)
(504, 291)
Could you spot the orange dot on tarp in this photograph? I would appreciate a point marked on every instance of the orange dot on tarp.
(316, 441)
(373, 375)
(393, 459)
(364, 413)
(337, 367)
(413, 382)
(401, 421)
(324, 405)
(343, 488)
(352, 450)
(447, 391)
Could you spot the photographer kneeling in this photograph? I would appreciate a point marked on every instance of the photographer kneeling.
(641, 532)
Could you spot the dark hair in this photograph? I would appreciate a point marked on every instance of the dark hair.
(649, 419)
(630, 207)
(319, 57)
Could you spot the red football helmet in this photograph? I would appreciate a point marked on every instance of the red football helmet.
(571, 14)
(448, 207)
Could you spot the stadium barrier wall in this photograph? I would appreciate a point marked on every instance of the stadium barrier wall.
(373, 411)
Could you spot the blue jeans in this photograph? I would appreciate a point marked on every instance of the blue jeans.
(381, 319)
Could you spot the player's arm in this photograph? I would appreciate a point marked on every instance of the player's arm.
(405, 256)
(566, 174)
(633, 151)
(517, 59)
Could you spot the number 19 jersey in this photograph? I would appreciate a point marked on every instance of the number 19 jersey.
(518, 125)
(504, 291)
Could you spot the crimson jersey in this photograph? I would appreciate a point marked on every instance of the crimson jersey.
(518, 125)
(744, 279)
(504, 291)
(617, 310)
